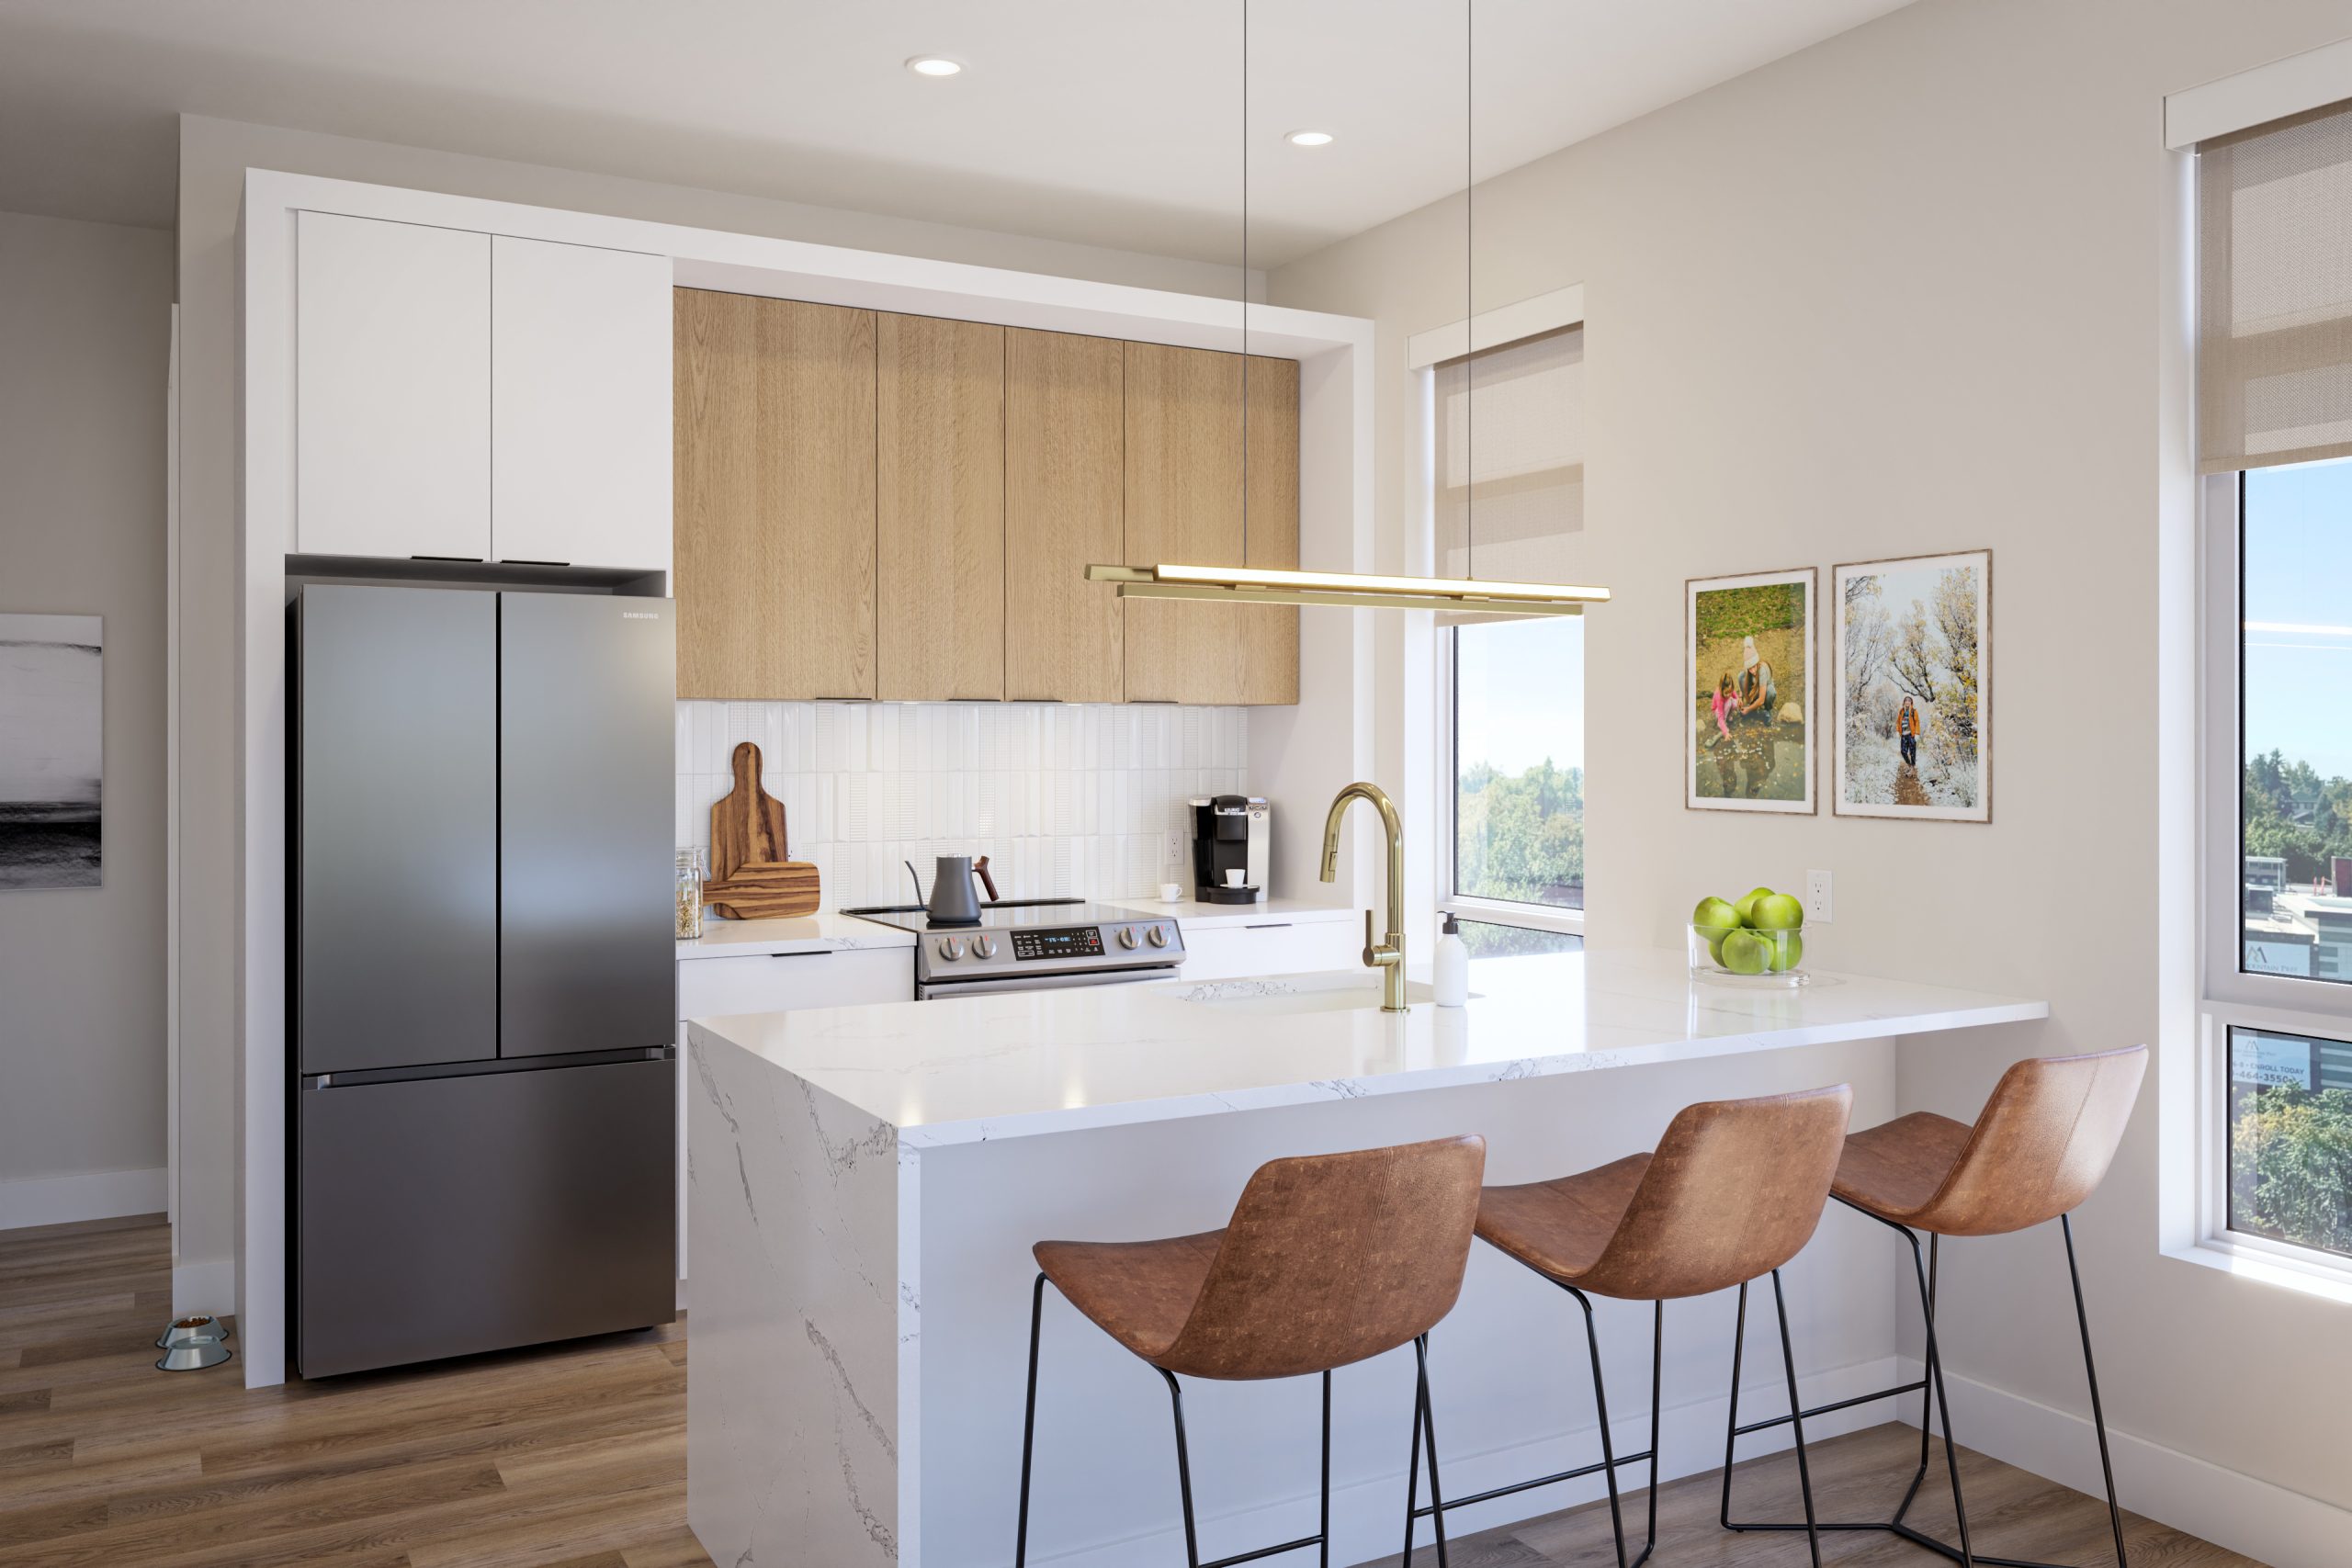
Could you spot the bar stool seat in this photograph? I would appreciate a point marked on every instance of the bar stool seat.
(1138, 1292)
(1894, 1170)
(1559, 1228)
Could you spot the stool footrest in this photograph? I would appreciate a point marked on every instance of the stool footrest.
(1916, 1537)
(1264, 1551)
(1812, 1411)
(1594, 1468)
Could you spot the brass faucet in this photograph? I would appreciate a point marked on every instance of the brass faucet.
(1389, 955)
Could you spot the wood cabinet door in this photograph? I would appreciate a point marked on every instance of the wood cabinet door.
(392, 390)
(939, 509)
(580, 405)
(773, 408)
(1063, 397)
(1270, 633)
(1183, 499)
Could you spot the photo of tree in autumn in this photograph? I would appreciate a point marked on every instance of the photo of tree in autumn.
(1912, 640)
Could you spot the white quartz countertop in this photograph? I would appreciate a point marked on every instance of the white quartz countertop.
(1028, 1063)
(821, 932)
(1194, 914)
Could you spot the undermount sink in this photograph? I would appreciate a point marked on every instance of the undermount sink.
(1337, 992)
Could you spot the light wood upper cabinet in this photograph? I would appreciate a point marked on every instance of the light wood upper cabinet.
(1186, 485)
(392, 390)
(1270, 633)
(939, 509)
(1063, 400)
(580, 405)
(774, 416)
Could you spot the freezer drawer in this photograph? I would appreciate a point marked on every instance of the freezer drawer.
(443, 1216)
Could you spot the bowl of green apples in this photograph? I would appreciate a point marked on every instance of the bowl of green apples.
(1755, 939)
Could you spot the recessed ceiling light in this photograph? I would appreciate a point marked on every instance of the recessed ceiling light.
(935, 65)
(1309, 138)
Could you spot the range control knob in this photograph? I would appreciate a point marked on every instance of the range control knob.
(951, 948)
(1160, 936)
(1126, 936)
(984, 947)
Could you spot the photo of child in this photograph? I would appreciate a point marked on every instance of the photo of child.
(1751, 676)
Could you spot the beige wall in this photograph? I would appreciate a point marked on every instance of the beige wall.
(1900, 293)
(214, 156)
(84, 337)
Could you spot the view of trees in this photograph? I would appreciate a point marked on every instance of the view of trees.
(1522, 838)
(2290, 1165)
(2292, 813)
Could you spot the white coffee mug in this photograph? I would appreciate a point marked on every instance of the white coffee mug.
(1233, 877)
(1172, 892)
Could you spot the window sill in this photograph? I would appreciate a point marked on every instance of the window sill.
(1502, 912)
(2328, 1278)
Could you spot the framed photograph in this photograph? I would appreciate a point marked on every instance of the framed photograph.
(1748, 692)
(1914, 688)
(52, 758)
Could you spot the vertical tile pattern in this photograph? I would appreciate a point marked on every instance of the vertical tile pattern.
(1063, 798)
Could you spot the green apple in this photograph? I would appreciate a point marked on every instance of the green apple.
(1715, 916)
(1777, 912)
(1745, 952)
(1747, 904)
(1787, 950)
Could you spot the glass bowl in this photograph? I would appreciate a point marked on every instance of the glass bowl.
(1754, 958)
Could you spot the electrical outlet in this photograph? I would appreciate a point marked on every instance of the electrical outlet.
(1175, 848)
(1816, 896)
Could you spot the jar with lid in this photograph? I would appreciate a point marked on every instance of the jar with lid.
(690, 880)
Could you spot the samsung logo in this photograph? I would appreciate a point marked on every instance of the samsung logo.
(638, 615)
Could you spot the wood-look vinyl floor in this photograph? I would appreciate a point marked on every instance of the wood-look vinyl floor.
(574, 1457)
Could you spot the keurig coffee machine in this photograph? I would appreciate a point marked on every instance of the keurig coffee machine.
(1230, 851)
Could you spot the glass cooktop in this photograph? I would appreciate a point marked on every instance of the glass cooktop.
(1007, 914)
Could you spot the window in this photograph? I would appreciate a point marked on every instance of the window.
(2275, 439)
(1506, 453)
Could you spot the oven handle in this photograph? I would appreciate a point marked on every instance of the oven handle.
(996, 986)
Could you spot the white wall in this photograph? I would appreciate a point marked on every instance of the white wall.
(84, 336)
(214, 156)
(1903, 292)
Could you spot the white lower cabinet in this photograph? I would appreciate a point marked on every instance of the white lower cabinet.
(1274, 946)
(777, 982)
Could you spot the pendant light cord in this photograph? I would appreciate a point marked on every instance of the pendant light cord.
(1244, 283)
(1469, 295)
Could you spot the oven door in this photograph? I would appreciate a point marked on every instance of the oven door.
(945, 990)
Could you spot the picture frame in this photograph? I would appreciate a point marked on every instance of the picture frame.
(1913, 667)
(52, 750)
(1750, 693)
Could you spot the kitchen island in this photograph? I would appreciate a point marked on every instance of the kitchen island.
(865, 1184)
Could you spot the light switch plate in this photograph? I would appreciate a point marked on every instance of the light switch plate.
(1816, 896)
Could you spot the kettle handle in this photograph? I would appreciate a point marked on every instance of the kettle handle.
(980, 870)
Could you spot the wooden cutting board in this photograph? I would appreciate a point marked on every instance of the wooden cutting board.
(752, 876)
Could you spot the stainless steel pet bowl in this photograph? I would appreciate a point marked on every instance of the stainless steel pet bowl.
(193, 1342)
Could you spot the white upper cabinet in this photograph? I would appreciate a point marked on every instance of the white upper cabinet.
(580, 351)
(392, 389)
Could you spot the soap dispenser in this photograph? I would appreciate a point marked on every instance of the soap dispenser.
(1450, 982)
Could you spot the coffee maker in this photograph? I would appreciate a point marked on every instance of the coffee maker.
(1230, 833)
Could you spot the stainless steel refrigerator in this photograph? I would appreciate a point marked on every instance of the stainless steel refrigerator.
(483, 1077)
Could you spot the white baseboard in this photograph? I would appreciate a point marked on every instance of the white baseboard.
(1367, 1516)
(2240, 1511)
(208, 1284)
(87, 1195)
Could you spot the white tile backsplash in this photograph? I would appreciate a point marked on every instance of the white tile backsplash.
(1063, 798)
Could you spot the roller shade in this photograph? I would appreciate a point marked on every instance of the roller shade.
(2273, 312)
(1508, 459)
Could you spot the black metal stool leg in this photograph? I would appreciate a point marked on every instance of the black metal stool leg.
(1428, 1429)
(2098, 1415)
(1183, 1471)
(1658, 1402)
(1731, 1422)
(1796, 1419)
(1966, 1555)
(1323, 1534)
(1607, 1446)
(1413, 1463)
(1029, 1424)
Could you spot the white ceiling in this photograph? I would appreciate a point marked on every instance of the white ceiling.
(1110, 123)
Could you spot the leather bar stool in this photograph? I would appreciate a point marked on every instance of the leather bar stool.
(2039, 1146)
(1734, 1191)
(1328, 1259)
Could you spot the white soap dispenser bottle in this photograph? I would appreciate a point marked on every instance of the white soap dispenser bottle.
(1450, 981)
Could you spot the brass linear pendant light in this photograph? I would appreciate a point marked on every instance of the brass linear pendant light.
(1348, 589)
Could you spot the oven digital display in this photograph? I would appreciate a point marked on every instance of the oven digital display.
(1070, 941)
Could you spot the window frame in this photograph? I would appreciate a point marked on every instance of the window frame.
(2228, 996)
(1425, 351)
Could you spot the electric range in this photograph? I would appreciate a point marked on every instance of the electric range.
(1035, 944)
